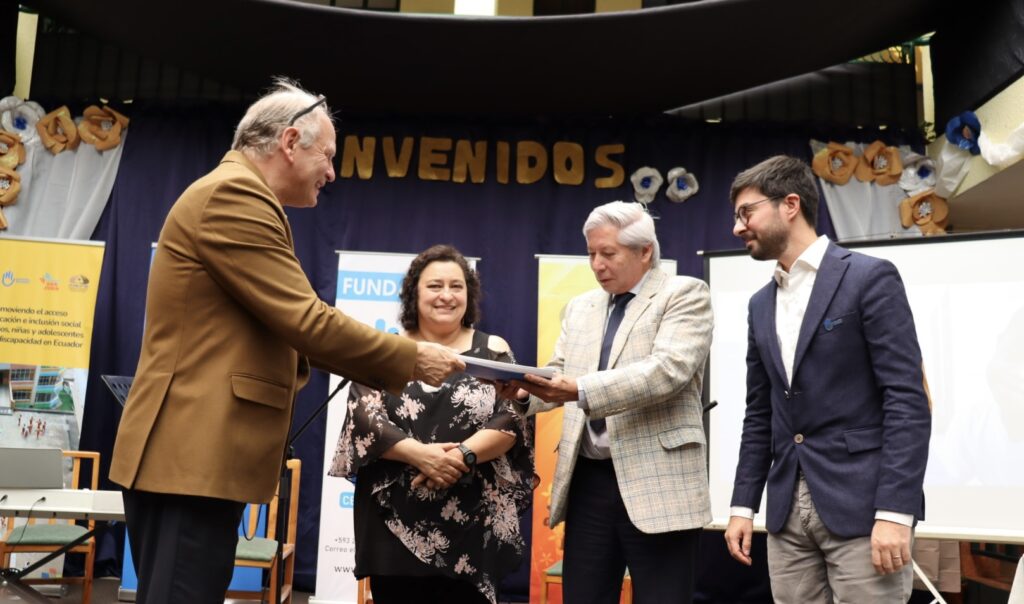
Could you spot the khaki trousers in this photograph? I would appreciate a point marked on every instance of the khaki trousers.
(807, 564)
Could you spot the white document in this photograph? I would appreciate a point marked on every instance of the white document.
(496, 370)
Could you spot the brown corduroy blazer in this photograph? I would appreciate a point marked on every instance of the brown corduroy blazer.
(231, 320)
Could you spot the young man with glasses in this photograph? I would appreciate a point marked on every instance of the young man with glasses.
(232, 328)
(837, 420)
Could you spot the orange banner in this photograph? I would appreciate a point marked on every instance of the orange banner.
(560, 279)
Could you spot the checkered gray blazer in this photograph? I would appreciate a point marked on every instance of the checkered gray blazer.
(649, 395)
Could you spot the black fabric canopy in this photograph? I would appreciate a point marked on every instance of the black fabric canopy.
(368, 62)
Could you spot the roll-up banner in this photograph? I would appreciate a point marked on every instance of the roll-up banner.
(47, 303)
(368, 287)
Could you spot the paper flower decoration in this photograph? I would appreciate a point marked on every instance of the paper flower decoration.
(963, 131)
(20, 117)
(10, 186)
(919, 173)
(1001, 155)
(927, 210)
(835, 163)
(646, 182)
(58, 131)
(681, 185)
(102, 127)
(12, 152)
(880, 164)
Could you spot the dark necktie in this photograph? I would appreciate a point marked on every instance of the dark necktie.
(619, 303)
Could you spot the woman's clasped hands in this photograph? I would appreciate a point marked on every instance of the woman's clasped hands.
(440, 465)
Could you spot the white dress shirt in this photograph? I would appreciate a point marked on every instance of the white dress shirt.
(794, 292)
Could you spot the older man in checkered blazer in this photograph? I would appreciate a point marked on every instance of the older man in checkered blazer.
(631, 481)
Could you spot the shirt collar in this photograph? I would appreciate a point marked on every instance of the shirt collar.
(635, 290)
(809, 260)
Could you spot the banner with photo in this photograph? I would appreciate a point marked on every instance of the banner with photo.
(47, 299)
(560, 279)
(368, 287)
(47, 302)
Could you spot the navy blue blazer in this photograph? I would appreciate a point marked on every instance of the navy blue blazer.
(855, 419)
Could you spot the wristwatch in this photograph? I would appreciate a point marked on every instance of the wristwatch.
(469, 457)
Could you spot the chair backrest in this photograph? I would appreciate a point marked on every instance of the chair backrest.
(252, 527)
(76, 468)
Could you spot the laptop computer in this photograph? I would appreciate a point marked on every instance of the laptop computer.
(31, 468)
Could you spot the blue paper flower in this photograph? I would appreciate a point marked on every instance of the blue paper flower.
(646, 182)
(681, 185)
(963, 131)
(919, 173)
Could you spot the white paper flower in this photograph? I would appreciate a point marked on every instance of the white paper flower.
(646, 182)
(1001, 155)
(20, 117)
(918, 174)
(681, 184)
(951, 168)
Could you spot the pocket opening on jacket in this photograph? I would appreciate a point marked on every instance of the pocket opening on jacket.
(683, 435)
(260, 391)
(863, 439)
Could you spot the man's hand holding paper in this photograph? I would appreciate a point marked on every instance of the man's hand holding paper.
(559, 389)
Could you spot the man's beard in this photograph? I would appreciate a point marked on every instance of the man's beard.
(770, 243)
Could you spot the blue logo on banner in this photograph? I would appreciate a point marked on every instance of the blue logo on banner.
(348, 500)
(382, 325)
(365, 285)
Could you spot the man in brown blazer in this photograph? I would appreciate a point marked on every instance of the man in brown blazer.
(232, 327)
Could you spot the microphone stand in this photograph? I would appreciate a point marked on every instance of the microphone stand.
(285, 487)
(344, 382)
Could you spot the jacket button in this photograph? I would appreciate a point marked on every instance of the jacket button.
(799, 438)
(786, 394)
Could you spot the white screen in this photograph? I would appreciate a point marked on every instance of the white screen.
(967, 296)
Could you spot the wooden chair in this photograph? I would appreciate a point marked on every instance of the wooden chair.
(39, 537)
(261, 552)
(363, 595)
(553, 576)
(990, 564)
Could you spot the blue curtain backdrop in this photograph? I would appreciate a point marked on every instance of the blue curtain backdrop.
(505, 225)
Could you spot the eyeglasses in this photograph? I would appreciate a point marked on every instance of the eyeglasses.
(321, 100)
(743, 212)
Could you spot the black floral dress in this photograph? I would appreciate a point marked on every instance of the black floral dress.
(469, 531)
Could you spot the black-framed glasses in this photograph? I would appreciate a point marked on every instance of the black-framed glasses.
(319, 101)
(743, 212)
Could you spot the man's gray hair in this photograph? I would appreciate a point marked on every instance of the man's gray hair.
(262, 124)
(636, 227)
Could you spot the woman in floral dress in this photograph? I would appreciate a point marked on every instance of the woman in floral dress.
(431, 526)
